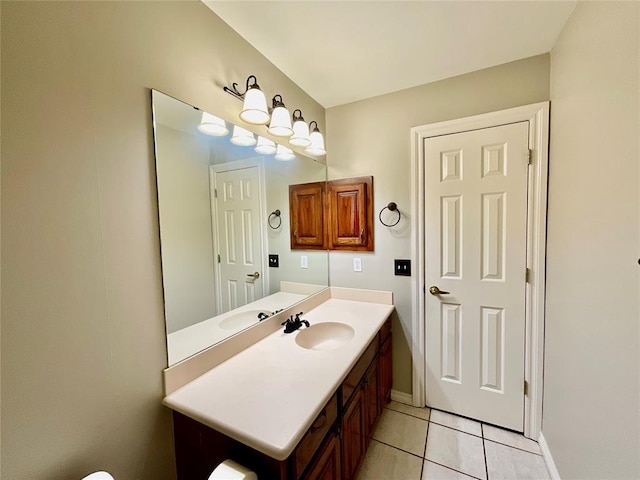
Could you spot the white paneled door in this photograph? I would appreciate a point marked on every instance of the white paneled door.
(476, 221)
(238, 227)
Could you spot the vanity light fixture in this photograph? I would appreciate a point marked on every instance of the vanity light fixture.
(212, 125)
(300, 137)
(242, 137)
(317, 141)
(284, 153)
(280, 125)
(254, 108)
(265, 146)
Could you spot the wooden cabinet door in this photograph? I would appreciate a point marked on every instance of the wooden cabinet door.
(385, 378)
(370, 394)
(353, 436)
(327, 464)
(350, 203)
(306, 211)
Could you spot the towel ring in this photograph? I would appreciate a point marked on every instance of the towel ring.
(392, 207)
(275, 213)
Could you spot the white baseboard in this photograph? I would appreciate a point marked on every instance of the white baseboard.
(401, 397)
(548, 458)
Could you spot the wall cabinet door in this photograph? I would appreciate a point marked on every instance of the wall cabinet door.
(353, 436)
(327, 465)
(385, 373)
(350, 203)
(306, 211)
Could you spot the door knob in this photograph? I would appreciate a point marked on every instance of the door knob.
(254, 275)
(433, 290)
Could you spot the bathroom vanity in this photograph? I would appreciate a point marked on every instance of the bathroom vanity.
(292, 406)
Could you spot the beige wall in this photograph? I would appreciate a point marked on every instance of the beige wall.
(83, 341)
(591, 405)
(372, 137)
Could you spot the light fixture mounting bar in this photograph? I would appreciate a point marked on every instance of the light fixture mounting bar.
(234, 87)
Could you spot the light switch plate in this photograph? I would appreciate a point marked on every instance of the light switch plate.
(357, 264)
(274, 261)
(304, 262)
(402, 267)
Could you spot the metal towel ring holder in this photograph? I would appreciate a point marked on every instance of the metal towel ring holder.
(393, 208)
(275, 213)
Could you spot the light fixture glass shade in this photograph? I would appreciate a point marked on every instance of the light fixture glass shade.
(265, 146)
(284, 153)
(212, 125)
(317, 144)
(254, 109)
(242, 137)
(300, 137)
(280, 125)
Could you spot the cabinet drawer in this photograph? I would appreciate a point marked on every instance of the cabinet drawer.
(355, 375)
(314, 436)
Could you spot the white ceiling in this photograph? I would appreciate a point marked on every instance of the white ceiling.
(340, 52)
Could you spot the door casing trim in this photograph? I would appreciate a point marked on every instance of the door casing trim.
(538, 117)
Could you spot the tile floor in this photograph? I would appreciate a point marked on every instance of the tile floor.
(412, 443)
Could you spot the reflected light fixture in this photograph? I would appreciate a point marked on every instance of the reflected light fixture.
(280, 125)
(254, 108)
(212, 125)
(317, 141)
(284, 153)
(242, 137)
(265, 146)
(300, 137)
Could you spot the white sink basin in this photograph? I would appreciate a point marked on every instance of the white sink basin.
(241, 320)
(325, 336)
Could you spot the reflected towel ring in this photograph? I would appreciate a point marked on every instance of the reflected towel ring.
(392, 207)
(275, 213)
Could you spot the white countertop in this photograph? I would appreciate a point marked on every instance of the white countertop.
(268, 395)
(190, 340)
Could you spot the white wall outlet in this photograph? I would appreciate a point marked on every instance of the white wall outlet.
(357, 264)
(304, 262)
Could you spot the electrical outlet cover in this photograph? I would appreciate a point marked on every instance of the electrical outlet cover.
(357, 264)
(304, 262)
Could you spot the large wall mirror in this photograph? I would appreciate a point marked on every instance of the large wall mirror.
(226, 256)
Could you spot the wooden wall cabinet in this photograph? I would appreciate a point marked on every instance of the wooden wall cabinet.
(336, 215)
(332, 449)
(350, 214)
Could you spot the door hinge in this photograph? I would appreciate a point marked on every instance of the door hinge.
(527, 275)
(526, 388)
(529, 157)
(215, 193)
(218, 258)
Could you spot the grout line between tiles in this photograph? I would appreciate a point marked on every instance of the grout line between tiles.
(424, 453)
(484, 452)
(407, 414)
(397, 448)
(453, 469)
(515, 448)
(457, 430)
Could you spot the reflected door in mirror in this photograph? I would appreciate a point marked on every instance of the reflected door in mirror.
(237, 207)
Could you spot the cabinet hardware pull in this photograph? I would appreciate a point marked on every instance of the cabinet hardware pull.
(321, 420)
